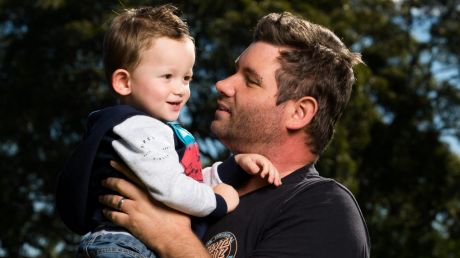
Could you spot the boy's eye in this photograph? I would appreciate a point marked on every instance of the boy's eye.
(167, 76)
(187, 78)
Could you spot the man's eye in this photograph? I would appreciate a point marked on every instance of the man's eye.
(250, 81)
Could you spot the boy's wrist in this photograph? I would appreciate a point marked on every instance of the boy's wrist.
(237, 158)
(231, 173)
(221, 207)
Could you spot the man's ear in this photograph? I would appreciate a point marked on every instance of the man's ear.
(301, 112)
(121, 82)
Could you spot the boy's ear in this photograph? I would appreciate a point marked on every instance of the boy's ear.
(121, 82)
(301, 112)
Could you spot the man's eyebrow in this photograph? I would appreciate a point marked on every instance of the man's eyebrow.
(253, 74)
(249, 72)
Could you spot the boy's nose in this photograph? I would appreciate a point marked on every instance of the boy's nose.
(180, 88)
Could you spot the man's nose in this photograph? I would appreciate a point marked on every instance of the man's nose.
(226, 87)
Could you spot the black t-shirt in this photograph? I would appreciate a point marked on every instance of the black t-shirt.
(307, 216)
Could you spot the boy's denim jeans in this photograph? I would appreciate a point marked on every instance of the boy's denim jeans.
(110, 245)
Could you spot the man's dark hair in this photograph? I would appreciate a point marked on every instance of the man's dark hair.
(315, 63)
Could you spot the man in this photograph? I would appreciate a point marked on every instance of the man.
(290, 87)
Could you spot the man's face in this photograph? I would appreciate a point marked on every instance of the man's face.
(247, 118)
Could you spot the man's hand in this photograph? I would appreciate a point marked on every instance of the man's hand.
(164, 230)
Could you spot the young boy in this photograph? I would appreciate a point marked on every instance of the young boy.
(148, 57)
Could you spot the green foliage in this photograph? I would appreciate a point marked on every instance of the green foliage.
(387, 147)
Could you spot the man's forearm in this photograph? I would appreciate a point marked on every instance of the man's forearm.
(181, 244)
(164, 230)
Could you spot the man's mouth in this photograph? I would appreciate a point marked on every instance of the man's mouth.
(222, 107)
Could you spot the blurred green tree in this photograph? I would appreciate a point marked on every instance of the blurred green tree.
(388, 147)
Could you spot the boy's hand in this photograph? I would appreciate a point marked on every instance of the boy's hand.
(258, 164)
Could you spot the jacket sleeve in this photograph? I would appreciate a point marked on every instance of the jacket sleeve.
(228, 172)
(146, 145)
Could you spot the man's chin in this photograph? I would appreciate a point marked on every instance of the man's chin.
(219, 128)
(215, 126)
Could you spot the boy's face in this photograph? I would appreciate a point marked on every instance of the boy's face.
(160, 83)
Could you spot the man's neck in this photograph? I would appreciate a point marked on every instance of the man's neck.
(254, 183)
(287, 158)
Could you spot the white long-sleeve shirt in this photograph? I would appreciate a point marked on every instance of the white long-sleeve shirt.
(146, 145)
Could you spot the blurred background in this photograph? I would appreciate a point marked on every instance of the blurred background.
(396, 147)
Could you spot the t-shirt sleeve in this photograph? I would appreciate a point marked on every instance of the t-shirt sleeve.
(325, 223)
(146, 145)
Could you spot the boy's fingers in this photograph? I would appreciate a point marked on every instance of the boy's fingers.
(277, 179)
(254, 168)
(271, 176)
(264, 172)
(251, 168)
